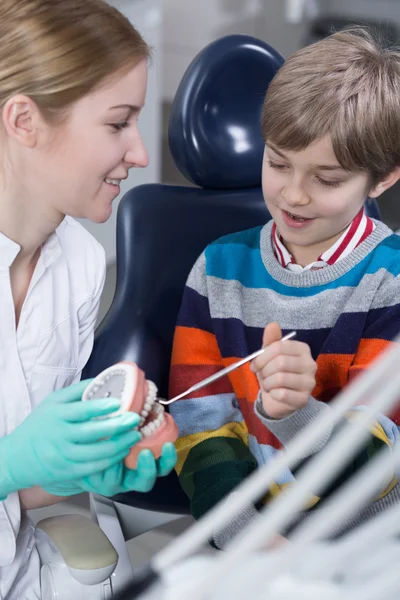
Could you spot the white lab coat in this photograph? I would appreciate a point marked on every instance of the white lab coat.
(48, 352)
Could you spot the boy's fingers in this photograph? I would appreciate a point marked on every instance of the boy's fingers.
(290, 398)
(289, 381)
(282, 363)
(272, 333)
(292, 348)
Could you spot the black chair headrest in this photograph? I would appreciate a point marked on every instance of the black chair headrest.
(215, 129)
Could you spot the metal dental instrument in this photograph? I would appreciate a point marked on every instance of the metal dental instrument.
(223, 372)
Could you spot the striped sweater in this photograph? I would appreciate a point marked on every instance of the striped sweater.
(347, 313)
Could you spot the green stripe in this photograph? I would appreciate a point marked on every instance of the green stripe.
(213, 468)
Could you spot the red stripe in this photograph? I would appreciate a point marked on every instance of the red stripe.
(368, 229)
(280, 256)
(352, 231)
(347, 239)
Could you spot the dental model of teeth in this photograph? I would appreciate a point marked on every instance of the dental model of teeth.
(127, 382)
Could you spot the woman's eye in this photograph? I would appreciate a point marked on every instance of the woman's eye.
(276, 165)
(328, 183)
(119, 126)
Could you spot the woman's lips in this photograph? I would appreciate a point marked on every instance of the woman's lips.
(127, 382)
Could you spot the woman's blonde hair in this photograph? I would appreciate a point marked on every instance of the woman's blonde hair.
(56, 51)
(348, 86)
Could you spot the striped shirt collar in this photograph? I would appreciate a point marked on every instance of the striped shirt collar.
(358, 230)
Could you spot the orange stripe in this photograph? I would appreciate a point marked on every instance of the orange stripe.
(195, 347)
(244, 381)
(332, 375)
(368, 350)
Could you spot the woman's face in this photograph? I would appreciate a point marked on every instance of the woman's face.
(95, 148)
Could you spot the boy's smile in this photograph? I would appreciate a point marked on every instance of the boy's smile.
(311, 198)
(296, 221)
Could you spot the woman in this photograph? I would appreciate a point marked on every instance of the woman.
(73, 78)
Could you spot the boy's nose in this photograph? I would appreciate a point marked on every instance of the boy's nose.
(294, 195)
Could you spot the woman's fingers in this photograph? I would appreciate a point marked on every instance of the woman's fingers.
(94, 430)
(167, 460)
(143, 478)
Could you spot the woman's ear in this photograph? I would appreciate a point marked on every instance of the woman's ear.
(385, 183)
(21, 119)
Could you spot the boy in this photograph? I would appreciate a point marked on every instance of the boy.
(331, 122)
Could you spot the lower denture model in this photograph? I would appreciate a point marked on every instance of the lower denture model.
(127, 382)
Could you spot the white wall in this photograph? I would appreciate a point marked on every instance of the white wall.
(189, 25)
(146, 15)
(367, 9)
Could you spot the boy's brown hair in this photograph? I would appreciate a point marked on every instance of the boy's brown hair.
(347, 85)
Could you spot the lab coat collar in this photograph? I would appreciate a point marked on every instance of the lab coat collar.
(9, 249)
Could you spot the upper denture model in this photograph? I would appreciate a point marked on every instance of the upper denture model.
(126, 381)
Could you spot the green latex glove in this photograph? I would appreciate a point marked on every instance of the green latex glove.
(61, 441)
(118, 479)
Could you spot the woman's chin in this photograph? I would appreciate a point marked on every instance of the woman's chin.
(99, 216)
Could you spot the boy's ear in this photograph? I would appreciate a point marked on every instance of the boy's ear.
(385, 183)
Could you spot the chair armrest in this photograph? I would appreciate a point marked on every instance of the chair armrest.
(86, 550)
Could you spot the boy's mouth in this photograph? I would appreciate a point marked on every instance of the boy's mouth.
(297, 217)
(295, 221)
(127, 382)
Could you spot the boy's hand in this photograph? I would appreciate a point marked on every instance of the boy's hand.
(285, 372)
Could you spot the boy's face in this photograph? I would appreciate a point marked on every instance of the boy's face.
(311, 197)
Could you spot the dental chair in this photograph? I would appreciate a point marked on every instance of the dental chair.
(215, 140)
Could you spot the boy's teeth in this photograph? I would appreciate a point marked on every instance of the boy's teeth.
(295, 217)
(112, 181)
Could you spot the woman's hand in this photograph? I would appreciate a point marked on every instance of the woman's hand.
(286, 373)
(118, 479)
(60, 441)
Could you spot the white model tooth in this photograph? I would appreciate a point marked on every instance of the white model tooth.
(144, 413)
(150, 428)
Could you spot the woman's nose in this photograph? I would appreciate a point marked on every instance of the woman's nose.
(137, 155)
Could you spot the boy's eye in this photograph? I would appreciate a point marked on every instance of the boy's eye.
(328, 183)
(119, 126)
(276, 165)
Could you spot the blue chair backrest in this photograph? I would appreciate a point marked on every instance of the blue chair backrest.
(216, 142)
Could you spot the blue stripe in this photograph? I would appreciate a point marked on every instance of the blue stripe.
(383, 323)
(197, 415)
(237, 340)
(249, 238)
(264, 454)
(244, 264)
(195, 311)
